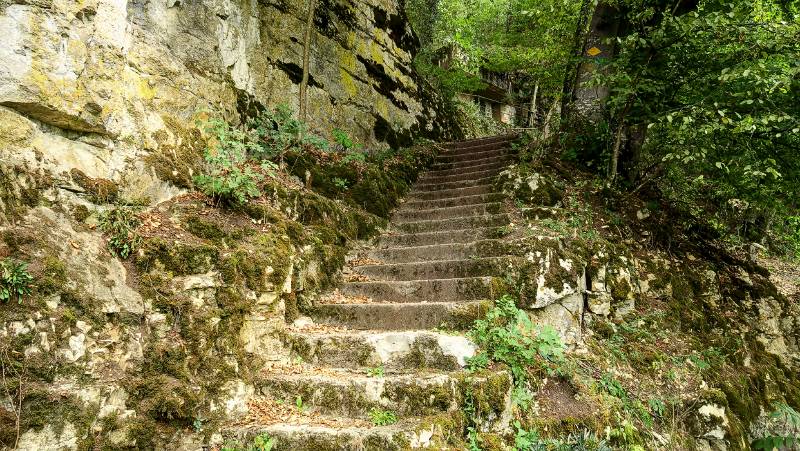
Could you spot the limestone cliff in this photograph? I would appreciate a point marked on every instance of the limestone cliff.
(113, 87)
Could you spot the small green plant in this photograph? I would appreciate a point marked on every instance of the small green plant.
(474, 440)
(261, 442)
(521, 397)
(120, 225)
(785, 429)
(340, 183)
(15, 281)
(378, 371)
(229, 176)
(479, 361)
(343, 139)
(657, 406)
(355, 156)
(507, 335)
(298, 402)
(380, 417)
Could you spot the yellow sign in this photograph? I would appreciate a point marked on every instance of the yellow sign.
(594, 51)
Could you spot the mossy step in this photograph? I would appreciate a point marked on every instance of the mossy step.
(458, 211)
(453, 251)
(430, 433)
(476, 175)
(471, 158)
(415, 196)
(415, 291)
(445, 237)
(441, 269)
(467, 168)
(472, 150)
(403, 316)
(441, 225)
(472, 199)
(394, 351)
(353, 395)
(466, 160)
(471, 144)
(439, 186)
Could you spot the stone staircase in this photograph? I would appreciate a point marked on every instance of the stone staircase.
(405, 312)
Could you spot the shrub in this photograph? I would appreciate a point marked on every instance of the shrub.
(120, 224)
(380, 417)
(15, 281)
(230, 177)
(507, 335)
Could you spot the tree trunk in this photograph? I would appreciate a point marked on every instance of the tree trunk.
(578, 43)
(534, 107)
(312, 6)
(598, 47)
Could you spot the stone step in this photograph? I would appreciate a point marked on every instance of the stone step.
(439, 225)
(408, 434)
(445, 237)
(454, 251)
(469, 150)
(415, 291)
(441, 269)
(413, 205)
(423, 186)
(394, 351)
(468, 176)
(480, 141)
(353, 395)
(415, 196)
(459, 211)
(444, 161)
(405, 316)
(467, 168)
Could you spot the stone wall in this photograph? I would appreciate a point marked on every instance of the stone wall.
(111, 87)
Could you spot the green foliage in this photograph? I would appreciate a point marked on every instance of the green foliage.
(120, 225)
(261, 442)
(15, 281)
(507, 335)
(531, 440)
(230, 177)
(343, 139)
(377, 371)
(380, 417)
(714, 93)
(786, 429)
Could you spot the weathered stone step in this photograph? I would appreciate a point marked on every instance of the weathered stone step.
(353, 395)
(445, 160)
(480, 142)
(467, 168)
(455, 251)
(423, 186)
(470, 150)
(416, 195)
(440, 269)
(468, 176)
(453, 223)
(416, 291)
(406, 316)
(459, 211)
(477, 199)
(408, 434)
(445, 237)
(402, 350)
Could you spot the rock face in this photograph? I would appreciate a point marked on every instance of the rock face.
(112, 87)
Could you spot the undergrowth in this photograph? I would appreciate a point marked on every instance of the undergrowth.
(15, 280)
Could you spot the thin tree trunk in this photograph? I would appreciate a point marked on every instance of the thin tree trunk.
(534, 106)
(312, 6)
